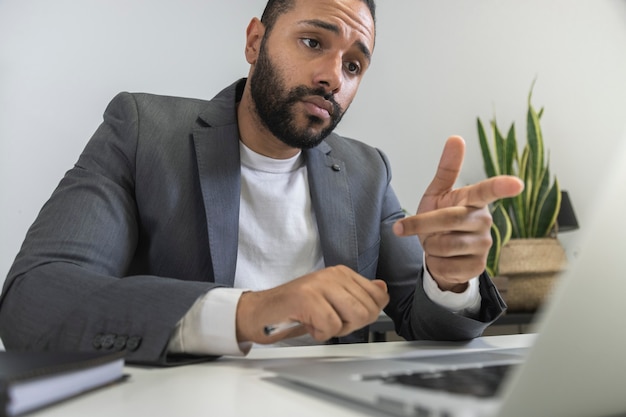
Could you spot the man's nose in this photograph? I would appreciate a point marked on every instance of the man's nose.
(329, 73)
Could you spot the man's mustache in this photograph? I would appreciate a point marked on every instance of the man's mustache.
(301, 92)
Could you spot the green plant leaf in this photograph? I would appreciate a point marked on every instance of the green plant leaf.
(511, 151)
(518, 206)
(541, 189)
(493, 258)
(534, 142)
(548, 211)
(503, 222)
(500, 234)
(500, 148)
(488, 162)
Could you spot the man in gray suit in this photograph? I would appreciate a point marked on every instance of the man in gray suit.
(187, 227)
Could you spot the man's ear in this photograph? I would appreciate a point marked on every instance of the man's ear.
(254, 35)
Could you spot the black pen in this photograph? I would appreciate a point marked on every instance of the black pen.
(272, 329)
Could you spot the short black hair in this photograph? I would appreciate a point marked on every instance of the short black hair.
(274, 8)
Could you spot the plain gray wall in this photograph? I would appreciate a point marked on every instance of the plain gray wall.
(438, 64)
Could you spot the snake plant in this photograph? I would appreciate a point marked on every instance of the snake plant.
(533, 213)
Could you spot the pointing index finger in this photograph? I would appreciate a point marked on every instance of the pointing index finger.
(495, 188)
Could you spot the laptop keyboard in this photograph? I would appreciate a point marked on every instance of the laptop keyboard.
(480, 382)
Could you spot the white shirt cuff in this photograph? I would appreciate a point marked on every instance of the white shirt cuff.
(466, 303)
(209, 327)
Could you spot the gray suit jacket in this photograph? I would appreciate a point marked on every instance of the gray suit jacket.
(146, 222)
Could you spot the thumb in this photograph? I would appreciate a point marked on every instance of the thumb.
(449, 167)
(380, 283)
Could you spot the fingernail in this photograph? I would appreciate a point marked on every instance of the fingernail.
(398, 228)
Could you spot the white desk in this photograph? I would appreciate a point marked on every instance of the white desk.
(240, 386)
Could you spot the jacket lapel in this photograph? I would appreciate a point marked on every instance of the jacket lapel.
(330, 195)
(216, 142)
(220, 180)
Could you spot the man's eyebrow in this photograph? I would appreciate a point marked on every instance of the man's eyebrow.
(335, 29)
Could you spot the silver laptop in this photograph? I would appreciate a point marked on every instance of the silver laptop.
(576, 366)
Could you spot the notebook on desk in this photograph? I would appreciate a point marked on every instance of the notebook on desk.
(575, 367)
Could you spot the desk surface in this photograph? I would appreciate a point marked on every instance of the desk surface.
(241, 386)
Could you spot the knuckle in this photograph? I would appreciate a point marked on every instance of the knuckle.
(328, 326)
(362, 315)
(486, 242)
(334, 327)
(339, 270)
(382, 301)
(487, 220)
(459, 217)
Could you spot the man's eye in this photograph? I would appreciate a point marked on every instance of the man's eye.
(311, 43)
(353, 67)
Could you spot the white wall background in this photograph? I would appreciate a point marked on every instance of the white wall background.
(438, 65)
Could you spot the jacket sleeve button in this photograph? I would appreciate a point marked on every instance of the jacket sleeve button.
(120, 342)
(133, 343)
(108, 341)
(97, 341)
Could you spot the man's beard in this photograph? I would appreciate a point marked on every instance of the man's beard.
(275, 106)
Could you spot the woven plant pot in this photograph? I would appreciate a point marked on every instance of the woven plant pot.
(532, 267)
